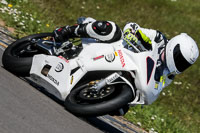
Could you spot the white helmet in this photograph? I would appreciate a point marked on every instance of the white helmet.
(181, 52)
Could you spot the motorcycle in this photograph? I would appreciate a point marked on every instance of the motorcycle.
(92, 78)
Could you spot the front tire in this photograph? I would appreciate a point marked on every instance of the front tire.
(21, 64)
(120, 97)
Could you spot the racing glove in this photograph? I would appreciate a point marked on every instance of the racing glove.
(137, 39)
(62, 34)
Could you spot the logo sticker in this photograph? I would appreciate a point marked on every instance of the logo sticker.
(121, 58)
(72, 79)
(63, 58)
(110, 57)
(112, 78)
(59, 67)
(98, 57)
(53, 79)
(100, 24)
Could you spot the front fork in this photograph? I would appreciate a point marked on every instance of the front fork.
(114, 78)
(107, 81)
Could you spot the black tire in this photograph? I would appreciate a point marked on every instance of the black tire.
(121, 97)
(16, 64)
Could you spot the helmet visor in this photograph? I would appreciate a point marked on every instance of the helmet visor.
(180, 62)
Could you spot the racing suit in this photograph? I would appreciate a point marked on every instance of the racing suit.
(108, 31)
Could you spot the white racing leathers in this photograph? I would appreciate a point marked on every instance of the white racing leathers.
(161, 76)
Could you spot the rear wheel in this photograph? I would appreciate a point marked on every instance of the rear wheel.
(82, 101)
(17, 58)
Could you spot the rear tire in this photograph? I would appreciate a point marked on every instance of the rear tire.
(16, 64)
(120, 98)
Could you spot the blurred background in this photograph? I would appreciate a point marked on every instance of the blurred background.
(178, 107)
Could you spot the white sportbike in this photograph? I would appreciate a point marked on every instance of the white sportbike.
(91, 78)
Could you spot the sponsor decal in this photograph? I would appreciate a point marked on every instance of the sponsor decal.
(110, 57)
(116, 54)
(45, 72)
(63, 58)
(98, 57)
(156, 85)
(53, 79)
(159, 85)
(100, 24)
(72, 79)
(112, 78)
(59, 67)
(121, 58)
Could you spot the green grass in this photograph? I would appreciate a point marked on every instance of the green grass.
(177, 109)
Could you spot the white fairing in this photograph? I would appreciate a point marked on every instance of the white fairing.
(64, 74)
(56, 81)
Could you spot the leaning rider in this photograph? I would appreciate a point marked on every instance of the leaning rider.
(176, 55)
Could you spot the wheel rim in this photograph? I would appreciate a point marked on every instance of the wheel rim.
(89, 94)
(26, 49)
(78, 106)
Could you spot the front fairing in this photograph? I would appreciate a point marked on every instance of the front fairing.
(52, 73)
(101, 56)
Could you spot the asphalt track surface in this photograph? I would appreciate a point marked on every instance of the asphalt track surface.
(24, 109)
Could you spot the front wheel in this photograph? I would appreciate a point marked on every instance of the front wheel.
(17, 58)
(82, 102)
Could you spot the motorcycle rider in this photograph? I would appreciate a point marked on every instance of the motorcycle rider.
(176, 55)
